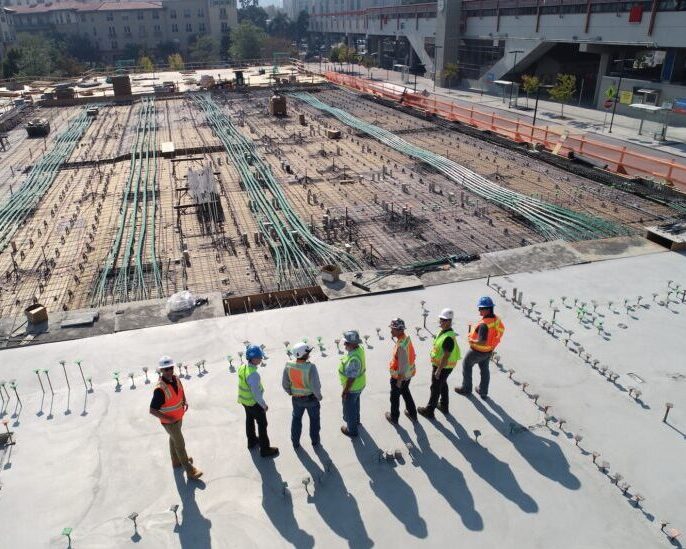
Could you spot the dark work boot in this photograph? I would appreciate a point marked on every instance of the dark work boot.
(269, 452)
(426, 412)
(463, 391)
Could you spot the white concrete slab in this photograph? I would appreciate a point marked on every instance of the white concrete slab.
(532, 488)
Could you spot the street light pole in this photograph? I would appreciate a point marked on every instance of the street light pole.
(619, 86)
(509, 103)
(538, 94)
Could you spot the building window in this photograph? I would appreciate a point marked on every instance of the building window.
(186, 13)
(140, 15)
(222, 13)
(175, 27)
(114, 45)
(158, 29)
(225, 26)
(189, 27)
(201, 12)
(112, 31)
(110, 16)
(127, 31)
(172, 14)
(155, 15)
(201, 27)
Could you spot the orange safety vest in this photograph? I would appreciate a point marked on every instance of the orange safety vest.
(173, 402)
(496, 328)
(406, 343)
(299, 376)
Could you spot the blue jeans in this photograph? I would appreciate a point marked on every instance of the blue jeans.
(351, 412)
(300, 404)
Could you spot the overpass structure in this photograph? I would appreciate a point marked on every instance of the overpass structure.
(598, 41)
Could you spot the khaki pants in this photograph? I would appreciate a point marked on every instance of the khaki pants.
(177, 445)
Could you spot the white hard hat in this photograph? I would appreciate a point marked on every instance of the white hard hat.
(166, 362)
(446, 314)
(301, 349)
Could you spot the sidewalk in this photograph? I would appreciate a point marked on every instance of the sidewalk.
(579, 120)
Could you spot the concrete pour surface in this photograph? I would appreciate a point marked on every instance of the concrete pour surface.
(88, 460)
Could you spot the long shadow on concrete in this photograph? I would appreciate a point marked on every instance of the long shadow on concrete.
(543, 455)
(337, 507)
(194, 528)
(495, 472)
(389, 486)
(446, 479)
(277, 507)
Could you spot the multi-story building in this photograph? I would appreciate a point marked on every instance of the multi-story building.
(111, 26)
(6, 31)
(598, 41)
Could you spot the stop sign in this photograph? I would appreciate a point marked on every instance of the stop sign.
(608, 103)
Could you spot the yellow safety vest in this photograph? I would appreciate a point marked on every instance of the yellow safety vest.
(244, 393)
(361, 379)
(437, 351)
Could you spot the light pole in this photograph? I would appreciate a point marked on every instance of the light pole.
(436, 73)
(509, 103)
(619, 85)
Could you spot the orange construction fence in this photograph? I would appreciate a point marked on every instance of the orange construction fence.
(620, 159)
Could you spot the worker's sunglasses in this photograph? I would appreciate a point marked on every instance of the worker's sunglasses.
(167, 368)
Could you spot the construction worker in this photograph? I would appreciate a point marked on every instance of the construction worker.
(484, 337)
(352, 374)
(301, 381)
(402, 370)
(444, 356)
(251, 396)
(169, 404)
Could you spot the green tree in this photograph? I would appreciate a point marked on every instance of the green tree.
(248, 40)
(530, 84)
(255, 15)
(450, 71)
(165, 49)
(205, 49)
(146, 64)
(36, 55)
(225, 45)
(280, 26)
(10, 65)
(562, 91)
(301, 25)
(175, 62)
(368, 62)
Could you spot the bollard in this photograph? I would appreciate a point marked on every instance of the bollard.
(510, 371)
(578, 439)
(64, 368)
(306, 483)
(240, 356)
(204, 368)
(230, 359)
(338, 348)
(13, 386)
(595, 455)
(89, 379)
(624, 487)
(477, 434)
(37, 372)
(78, 363)
(67, 532)
(638, 498)
(133, 383)
(47, 375)
(174, 509)
(145, 371)
(197, 365)
(604, 466)
(668, 407)
(115, 375)
(617, 478)
(378, 333)
(132, 517)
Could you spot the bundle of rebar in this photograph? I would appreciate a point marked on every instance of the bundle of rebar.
(296, 251)
(22, 203)
(137, 223)
(551, 221)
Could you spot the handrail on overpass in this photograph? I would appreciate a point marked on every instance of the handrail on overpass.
(619, 159)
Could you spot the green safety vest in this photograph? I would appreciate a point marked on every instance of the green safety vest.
(360, 380)
(244, 393)
(437, 351)
(299, 376)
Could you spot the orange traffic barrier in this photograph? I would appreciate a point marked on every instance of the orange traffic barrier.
(619, 159)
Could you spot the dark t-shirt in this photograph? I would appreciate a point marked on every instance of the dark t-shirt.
(158, 395)
(482, 330)
(448, 342)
